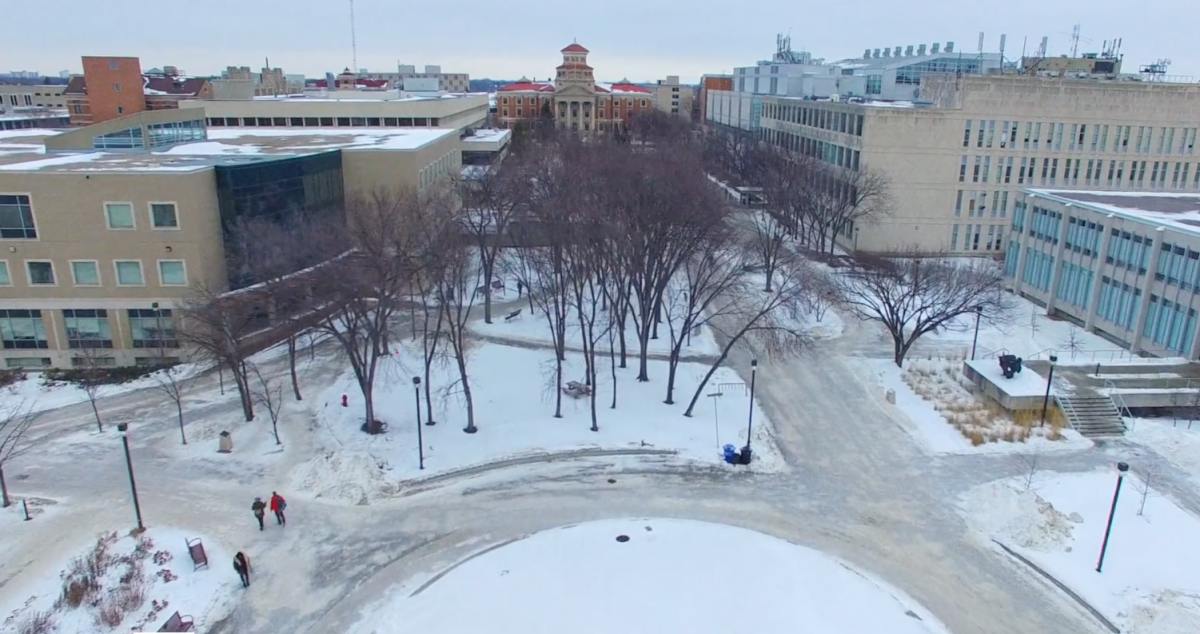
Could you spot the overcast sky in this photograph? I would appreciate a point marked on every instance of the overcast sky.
(638, 39)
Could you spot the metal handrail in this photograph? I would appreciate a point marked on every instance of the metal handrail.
(1117, 399)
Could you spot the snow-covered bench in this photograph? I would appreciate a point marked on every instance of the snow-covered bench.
(575, 389)
(177, 623)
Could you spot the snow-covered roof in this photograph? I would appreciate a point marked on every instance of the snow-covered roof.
(1180, 212)
(487, 135)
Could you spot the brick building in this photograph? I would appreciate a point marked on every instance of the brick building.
(112, 87)
(574, 100)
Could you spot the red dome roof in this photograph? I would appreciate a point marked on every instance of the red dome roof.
(575, 48)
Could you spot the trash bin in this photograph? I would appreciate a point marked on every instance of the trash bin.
(225, 443)
(891, 396)
(731, 455)
(744, 456)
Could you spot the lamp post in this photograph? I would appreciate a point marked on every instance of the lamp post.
(750, 415)
(1046, 398)
(137, 507)
(158, 331)
(420, 440)
(1122, 468)
(978, 315)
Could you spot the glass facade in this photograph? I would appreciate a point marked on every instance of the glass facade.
(277, 190)
(912, 73)
(150, 328)
(127, 139)
(87, 328)
(157, 135)
(23, 329)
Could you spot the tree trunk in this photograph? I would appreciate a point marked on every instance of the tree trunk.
(4, 489)
(429, 420)
(292, 367)
(243, 386)
(644, 355)
(369, 407)
(899, 349)
(716, 364)
(672, 364)
(624, 348)
(96, 412)
(590, 354)
(462, 373)
(612, 362)
(275, 428)
(179, 411)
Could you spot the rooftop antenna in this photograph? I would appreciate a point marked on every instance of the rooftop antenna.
(1003, 40)
(981, 41)
(1075, 41)
(353, 40)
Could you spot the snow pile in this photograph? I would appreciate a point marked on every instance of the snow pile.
(122, 584)
(348, 476)
(1148, 584)
(649, 575)
(513, 391)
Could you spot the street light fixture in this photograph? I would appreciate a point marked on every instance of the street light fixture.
(420, 440)
(978, 315)
(137, 507)
(1046, 398)
(750, 416)
(1122, 468)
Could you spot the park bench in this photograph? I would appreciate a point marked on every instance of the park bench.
(575, 389)
(177, 623)
(516, 314)
(199, 559)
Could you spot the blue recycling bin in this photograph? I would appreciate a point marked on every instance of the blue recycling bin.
(731, 454)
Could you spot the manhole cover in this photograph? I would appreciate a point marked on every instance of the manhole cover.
(612, 481)
(622, 538)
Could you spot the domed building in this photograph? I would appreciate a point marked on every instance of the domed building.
(573, 100)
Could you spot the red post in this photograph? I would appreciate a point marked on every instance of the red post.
(345, 402)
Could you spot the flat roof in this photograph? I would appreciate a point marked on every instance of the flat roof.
(230, 146)
(487, 135)
(1177, 211)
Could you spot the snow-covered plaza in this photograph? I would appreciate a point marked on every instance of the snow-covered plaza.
(854, 508)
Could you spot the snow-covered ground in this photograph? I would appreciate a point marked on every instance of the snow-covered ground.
(1176, 440)
(32, 393)
(532, 327)
(139, 582)
(650, 575)
(513, 393)
(928, 420)
(1149, 583)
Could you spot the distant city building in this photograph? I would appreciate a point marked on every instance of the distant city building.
(573, 100)
(447, 82)
(711, 82)
(675, 99)
(239, 82)
(14, 97)
(34, 119)
(113, 87)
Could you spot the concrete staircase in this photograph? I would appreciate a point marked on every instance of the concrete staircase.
(1092, 416)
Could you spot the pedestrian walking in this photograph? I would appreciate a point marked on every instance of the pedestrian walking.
(260, 511)
(278, 504)
(241, 563)
(519, 288)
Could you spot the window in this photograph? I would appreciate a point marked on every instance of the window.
(16, 217)
(116, 87)
(119, 215)
(296, 122)
(5, 278)
(163, 216)
(112, 64)
(129, 272)
(172, 273)
(87, 328)
(151, 328)
(23, 330)
(85, 272)
(40, 272)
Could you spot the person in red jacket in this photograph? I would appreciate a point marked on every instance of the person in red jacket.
(278, 504)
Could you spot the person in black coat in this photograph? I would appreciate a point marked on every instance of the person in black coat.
(241, 564)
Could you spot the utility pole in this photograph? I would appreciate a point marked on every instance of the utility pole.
(353, 41)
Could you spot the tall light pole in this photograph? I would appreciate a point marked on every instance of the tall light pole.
(420, 440)
(1122, 468)
(1046, 398)
(978, 315)
(137, 507)
(158, 332)
(750, 416)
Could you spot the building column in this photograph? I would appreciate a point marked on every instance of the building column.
(1056, 263)
(1024, 240)
(1144, 306)
(1089, 322)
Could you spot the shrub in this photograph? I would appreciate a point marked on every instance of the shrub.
(99, 376)
(8, 377)
(131, 596)
(109, 614)
(37, 623)
(81, 582)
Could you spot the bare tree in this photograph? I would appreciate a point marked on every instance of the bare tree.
(1034, 326)
(169, 382)
(768, 242)
(1144, 483)
(92, 376)
(735, 154)
(269, 394)
(844, 199)
(368, 286)
(1031, 465)
(913, 294)
(457, 291)
(490, 201)
(1074, 341)
(14, 422)
(217, 327)
(767, 321)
